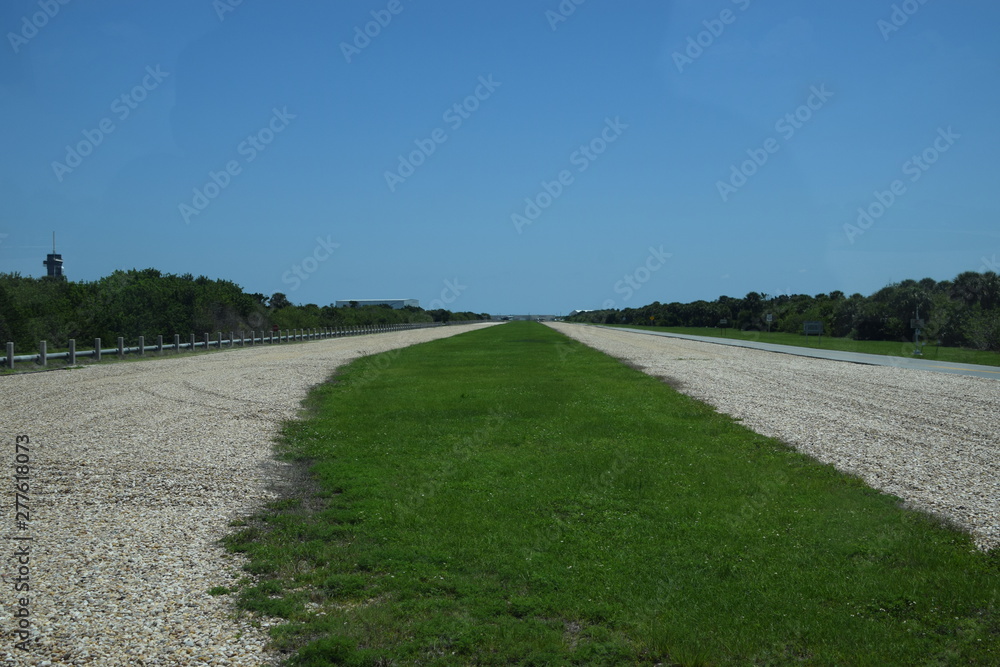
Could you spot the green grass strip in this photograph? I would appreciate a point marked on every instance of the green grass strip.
(509, 496)
(886, 348)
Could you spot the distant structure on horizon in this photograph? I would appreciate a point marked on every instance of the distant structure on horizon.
(395, 303)
(54, 263)
(525, 318)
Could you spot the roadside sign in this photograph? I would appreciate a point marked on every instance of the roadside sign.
(813, 328)
(916, 324)
(769, 318)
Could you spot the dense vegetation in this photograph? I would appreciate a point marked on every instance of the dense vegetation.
(148, 302)
(964, 312)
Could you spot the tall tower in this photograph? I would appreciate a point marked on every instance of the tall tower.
(53, 262)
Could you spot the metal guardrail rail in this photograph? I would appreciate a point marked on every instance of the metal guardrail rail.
(207, 342)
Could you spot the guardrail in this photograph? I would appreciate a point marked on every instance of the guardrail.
(207, 342)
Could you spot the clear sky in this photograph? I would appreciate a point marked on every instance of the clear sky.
(504, 157)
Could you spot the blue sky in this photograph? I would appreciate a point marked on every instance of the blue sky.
(515, 157)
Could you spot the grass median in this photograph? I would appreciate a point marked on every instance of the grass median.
(509, 496)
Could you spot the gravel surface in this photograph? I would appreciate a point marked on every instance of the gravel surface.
(136, 470)
(929, 438)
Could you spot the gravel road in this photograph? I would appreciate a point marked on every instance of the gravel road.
(136, 470)
(929, 438)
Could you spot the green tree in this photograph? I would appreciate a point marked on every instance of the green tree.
(279, 301)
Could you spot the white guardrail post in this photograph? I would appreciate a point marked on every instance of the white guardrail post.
(274, 336)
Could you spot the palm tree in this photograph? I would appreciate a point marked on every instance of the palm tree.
(967, 287)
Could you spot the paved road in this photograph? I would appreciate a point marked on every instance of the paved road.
(916, 363)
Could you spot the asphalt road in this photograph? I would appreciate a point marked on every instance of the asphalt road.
(915, 363)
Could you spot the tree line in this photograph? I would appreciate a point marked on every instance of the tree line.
(148, 303)
(963, 312)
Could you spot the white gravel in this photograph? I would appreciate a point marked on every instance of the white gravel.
(137, 470)
(929, 438)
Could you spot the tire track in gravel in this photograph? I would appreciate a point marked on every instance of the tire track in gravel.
(932, 439)
(137, 470)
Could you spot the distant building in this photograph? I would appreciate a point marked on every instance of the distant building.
(54, 263)
(526, 318)
(395, 303)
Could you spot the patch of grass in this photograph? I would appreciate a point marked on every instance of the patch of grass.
(887, 348)
(509, 496)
